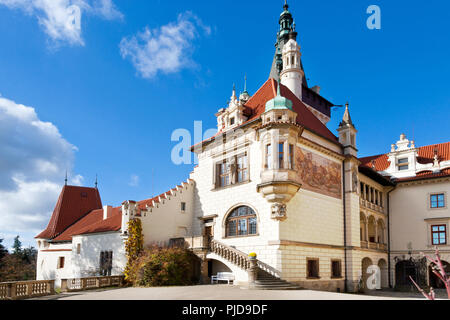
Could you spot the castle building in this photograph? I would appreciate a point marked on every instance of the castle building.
(275, 181)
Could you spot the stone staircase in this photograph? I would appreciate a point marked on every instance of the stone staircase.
(267, 277)
(266, 281)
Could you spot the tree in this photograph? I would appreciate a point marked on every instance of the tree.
(3, 251)
(17, 246)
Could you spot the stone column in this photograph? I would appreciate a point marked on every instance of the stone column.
(204, 279)
(252, 272)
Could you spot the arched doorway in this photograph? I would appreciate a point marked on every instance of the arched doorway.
(382, 264)
(435, 282)
(403, 270)
(365, 264)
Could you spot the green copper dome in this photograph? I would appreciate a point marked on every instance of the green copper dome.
(278, 102)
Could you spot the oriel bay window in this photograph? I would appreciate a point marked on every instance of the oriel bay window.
(281, 155)
(268, 156)
(241, 222)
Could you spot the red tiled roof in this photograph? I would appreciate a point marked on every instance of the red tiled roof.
(93, 223)
(73, 204)
(426, 175)
(305, 117)
(257, 105)
(425, 155)
(113, 223)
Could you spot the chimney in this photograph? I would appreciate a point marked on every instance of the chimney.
(107, 212)
(316, 89)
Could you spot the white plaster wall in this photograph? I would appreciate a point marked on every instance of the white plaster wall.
(410, 207)
(166, 220)
(87, 262)
(47, 263)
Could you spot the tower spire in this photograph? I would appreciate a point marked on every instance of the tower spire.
(65, 181)
(245, 83)
(96, 182)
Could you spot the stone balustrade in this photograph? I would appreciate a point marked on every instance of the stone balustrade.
(80, 284)
(26, 289)
(231, 254)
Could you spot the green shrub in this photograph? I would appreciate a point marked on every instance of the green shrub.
(164, 267)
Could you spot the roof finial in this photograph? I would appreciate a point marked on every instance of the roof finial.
(278, 88)
(286, 6)
(65, 181)
(96, 182)
(245, 83)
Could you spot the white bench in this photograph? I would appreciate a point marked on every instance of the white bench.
(222, 276)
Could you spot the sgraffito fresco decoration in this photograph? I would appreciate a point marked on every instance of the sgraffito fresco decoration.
(318, 174)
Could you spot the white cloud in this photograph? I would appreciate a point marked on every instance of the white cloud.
(167, 49)
(33, 160)
(61, 19)
(134, 180)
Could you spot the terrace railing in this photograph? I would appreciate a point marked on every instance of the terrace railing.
(26, 289)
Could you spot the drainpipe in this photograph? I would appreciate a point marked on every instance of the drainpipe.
(389, 237)
(345, 227)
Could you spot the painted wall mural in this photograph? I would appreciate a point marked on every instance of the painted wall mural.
(318, 174)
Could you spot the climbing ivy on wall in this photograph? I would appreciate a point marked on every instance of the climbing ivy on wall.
(134, 245)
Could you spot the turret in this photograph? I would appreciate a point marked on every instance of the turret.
(292, 74)
(278, 136)
(347, 134)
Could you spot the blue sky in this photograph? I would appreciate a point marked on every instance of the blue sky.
(114, 117)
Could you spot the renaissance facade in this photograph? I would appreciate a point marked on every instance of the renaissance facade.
(275, 181)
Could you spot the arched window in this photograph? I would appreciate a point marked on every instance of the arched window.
(241, 222)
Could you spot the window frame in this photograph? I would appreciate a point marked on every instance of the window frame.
(269, 156)
(237, 220)
(439, 232)
(340, 269)
(225, 174)
(61, 262)
(281, 155)
(437, 200)
(401, 165)
(243, 170)
(316, 260)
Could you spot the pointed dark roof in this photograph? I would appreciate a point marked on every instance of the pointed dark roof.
(73, 204)
(305, 117)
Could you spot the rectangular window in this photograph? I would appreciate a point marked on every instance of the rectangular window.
(336, 271)
(281, 155)
(312, 268)
(242, 168)
(183, 206)
(224, 174)
(232, 121)
(269, 156)
(78, 248)
(439, 234)
(403, 164)
(291, 156)
(437, 201)
(61, 263)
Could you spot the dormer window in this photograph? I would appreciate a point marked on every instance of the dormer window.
(403, 164)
